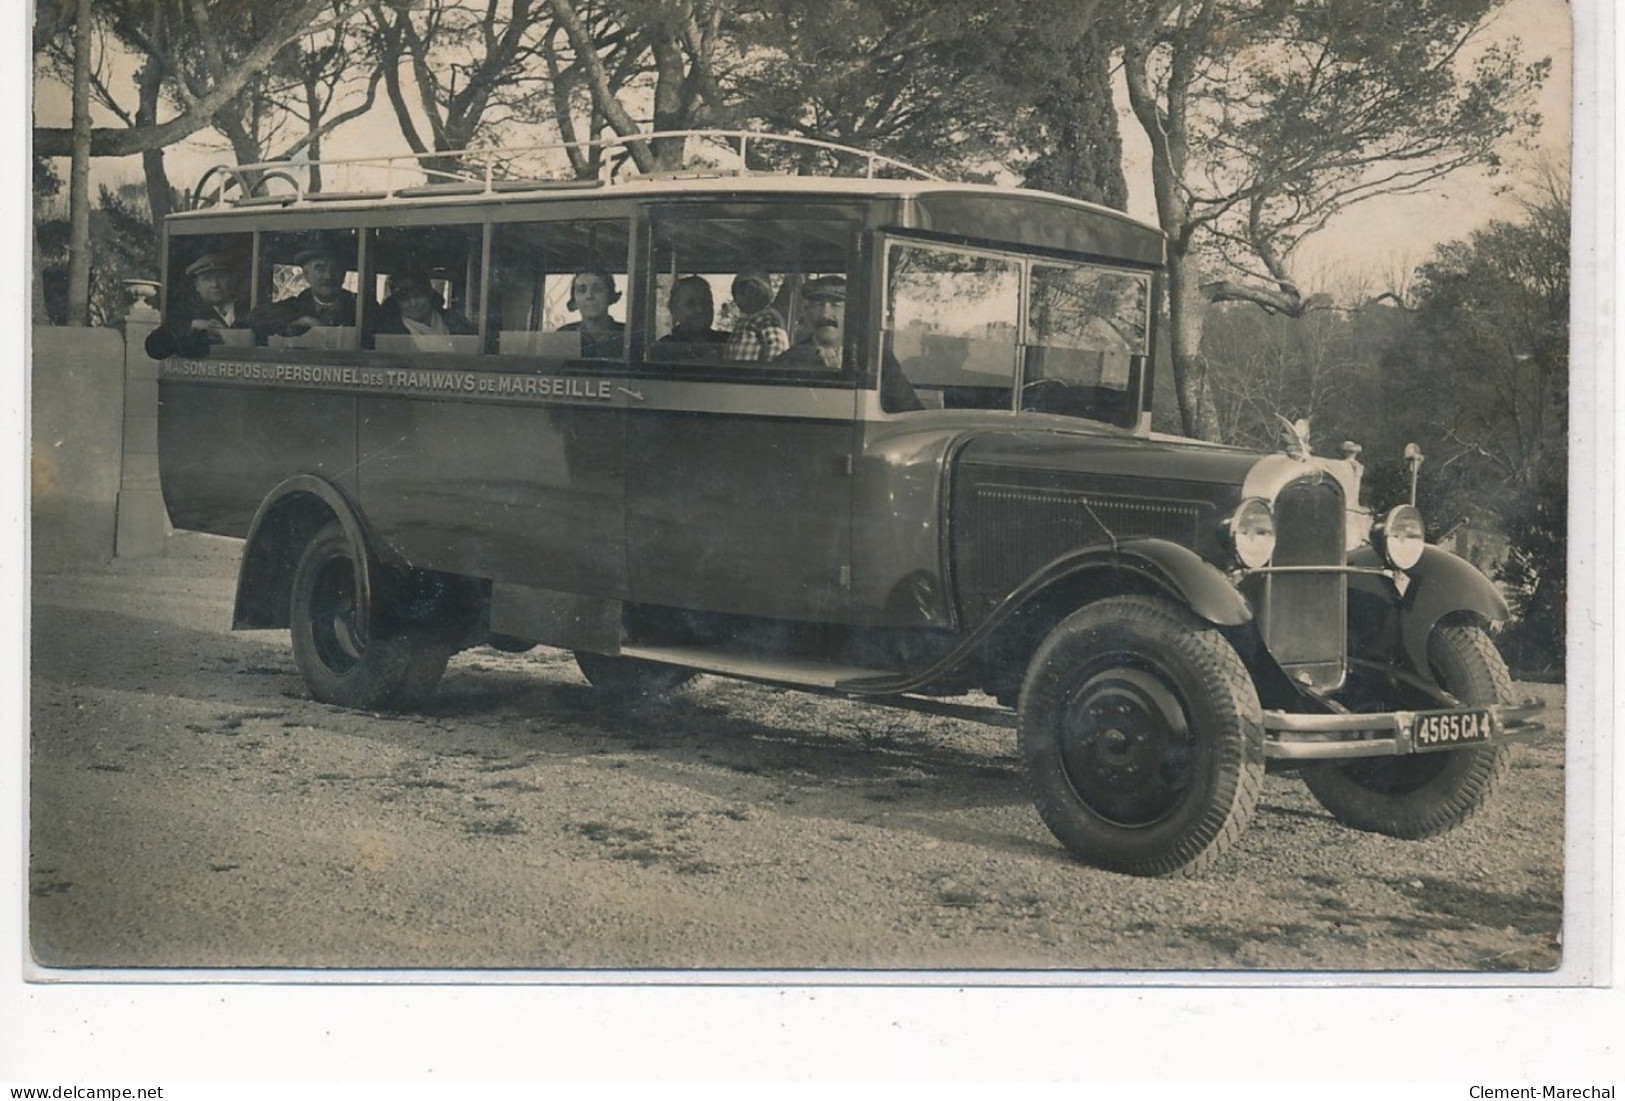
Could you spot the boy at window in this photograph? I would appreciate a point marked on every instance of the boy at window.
(760, 334)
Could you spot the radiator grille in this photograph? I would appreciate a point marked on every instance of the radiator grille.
(1304, 615)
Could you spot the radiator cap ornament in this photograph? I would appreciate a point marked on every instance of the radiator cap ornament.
(1295, 437)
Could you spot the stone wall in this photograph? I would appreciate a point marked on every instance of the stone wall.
(93, 461)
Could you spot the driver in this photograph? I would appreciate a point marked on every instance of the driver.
(824, 308)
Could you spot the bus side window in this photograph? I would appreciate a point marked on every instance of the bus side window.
(427, 282)
(313, 285)
(558, 289)
(207, 300)
(758, 272)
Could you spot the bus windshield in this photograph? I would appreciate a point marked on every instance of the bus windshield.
(982, 329)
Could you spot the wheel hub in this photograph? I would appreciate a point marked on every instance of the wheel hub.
(339, 640)
(1125, 745)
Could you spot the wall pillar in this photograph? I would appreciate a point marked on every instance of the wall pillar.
(143, 523)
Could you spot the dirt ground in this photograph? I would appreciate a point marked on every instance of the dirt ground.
(192, 807)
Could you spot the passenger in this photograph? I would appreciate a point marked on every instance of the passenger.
(759, 334)
(324, 303)
(824, 302)
(415, 308)
(692, 311)
(191, 328)
(592, 293)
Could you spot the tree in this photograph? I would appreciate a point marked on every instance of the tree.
(1266, 118)
(173, 27)
(287, 110)
(1075, 122)
(126, 248)
(468, 65)
(162, 34)
(665, 49)
(947, 85)
(1481, 380)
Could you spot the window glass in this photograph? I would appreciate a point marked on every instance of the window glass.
(558, 289)
(311, 287)
(427, 281)
(1087, 330)
(745, 291)
(952, 322)
(207, 302)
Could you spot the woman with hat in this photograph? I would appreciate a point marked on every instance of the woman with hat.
(415, 308)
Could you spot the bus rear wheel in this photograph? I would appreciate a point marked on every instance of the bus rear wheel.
(343, 660)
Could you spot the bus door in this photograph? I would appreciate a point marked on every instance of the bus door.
(740, 442)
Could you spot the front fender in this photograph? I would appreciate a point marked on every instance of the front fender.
(1175, 571)
(1440, 585)
(1178, 571)
(287, 518)
(1200, 584)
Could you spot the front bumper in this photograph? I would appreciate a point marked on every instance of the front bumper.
(1295, 736)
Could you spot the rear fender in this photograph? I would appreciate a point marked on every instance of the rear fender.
(1440, 586)
(290, 514)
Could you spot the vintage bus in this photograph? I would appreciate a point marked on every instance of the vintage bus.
(875, 434)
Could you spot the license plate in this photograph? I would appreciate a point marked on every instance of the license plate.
(1449, 729)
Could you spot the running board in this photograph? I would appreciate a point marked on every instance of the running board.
(847, 681)
(800, 672)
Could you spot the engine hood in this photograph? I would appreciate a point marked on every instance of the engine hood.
(1095, 455)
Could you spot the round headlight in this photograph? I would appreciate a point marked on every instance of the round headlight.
(1400, 537)
(1252, 533)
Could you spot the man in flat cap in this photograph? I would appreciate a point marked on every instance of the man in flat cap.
(324, 303)
(192, 326)
(823, 303)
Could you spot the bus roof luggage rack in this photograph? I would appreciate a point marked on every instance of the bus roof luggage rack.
(718, 154)
(345, 196)
(507, 186)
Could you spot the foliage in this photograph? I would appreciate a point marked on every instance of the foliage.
(121, 226)
(945, 84)
(164, 37)
(1074, 124)
(1480, 380)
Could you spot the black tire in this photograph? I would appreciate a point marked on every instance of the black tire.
(621, 680)
(1425, 794)
(342, 660)
(1142, 737)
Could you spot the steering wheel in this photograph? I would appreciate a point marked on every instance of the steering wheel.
(1032, 392)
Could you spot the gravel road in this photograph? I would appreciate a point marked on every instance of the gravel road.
(192, 807)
